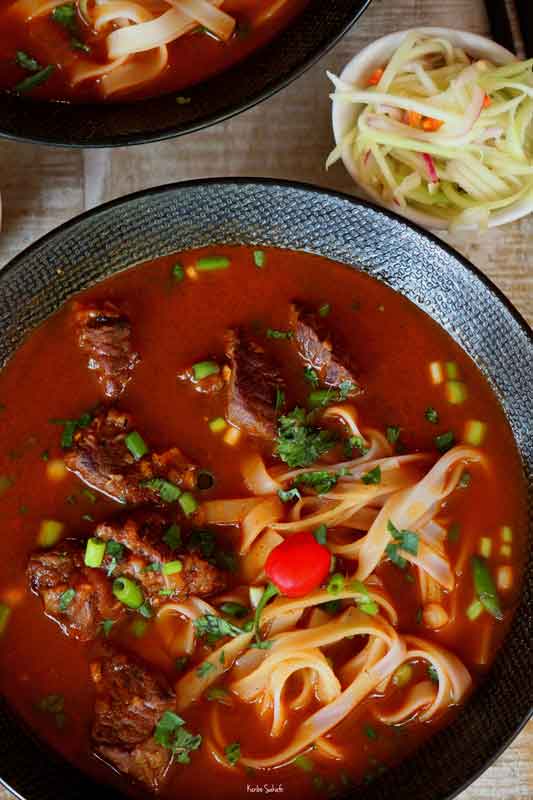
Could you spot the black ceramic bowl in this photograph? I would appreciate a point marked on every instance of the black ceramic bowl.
(437, 279)
(320, 25)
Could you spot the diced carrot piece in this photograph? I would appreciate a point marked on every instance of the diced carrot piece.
(375, 77)
(487, 101)
(431, 124)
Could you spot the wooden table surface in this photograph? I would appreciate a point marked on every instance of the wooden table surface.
(286, 137)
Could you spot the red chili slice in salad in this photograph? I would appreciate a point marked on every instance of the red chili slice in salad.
(298, 565)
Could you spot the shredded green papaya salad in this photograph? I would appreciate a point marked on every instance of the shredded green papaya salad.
(442, 135)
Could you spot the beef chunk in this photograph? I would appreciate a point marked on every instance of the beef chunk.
(130, 702)
(100, 457)
(315, 347)
(76, 597)
(104, 335)
(253, 386)
(145, 553)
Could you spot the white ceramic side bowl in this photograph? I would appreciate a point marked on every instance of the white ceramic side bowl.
(377, 54)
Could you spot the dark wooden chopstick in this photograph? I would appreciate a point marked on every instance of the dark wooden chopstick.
(524, 12)
(500, 25)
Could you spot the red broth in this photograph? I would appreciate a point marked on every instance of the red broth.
(177, 323)
(192, 58)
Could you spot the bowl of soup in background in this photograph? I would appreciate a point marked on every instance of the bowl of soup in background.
(304, 31)
(266, 214)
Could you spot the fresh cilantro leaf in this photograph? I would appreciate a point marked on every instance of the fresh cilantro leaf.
(265, 644)
(106, 626)
(204, 669)
(299, 444)
(392, 552)
(171, 733)
(233, 753)
(321, 534)
(215, 627)
(407, 540)
(217, 693)
(319, 480)
(373, 476)
(393, 433)
(432, 415)
(444, 441)
(353, 443)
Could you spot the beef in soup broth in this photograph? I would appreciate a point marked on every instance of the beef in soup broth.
(98, 50)
(266, 525)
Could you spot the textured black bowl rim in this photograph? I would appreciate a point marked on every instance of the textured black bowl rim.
(317, 190)
(174, 132)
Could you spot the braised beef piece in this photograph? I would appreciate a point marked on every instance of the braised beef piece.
(100, 457)
(76, 597)
(145, 553)
(314, 344)
(252, 387)
(104, 335)
(130, 701)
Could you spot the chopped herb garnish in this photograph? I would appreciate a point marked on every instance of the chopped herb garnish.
(485, 588)
(321, 481)
(145, 610)
(370, 732)
(27, 62)
(433, 674)
(324, 397)
(70, 426)
(91, 497)
(233, 753)
(321, 534)
(172, 537)
(280, 399)
(324, 310)
(45, 455)
(393, 433)
(136, 445)
(116, 552)
(392, 552)
(432, 415)
(464, 480)
(311, 377)
(177, 272)
(259, 258)
(218, 694)
(222, 657)
(299, 444)
(331, 607)
(418, 617)
(444, 441)
(335, 583)
(65, 15)
(106, 626)
(234, 609)
(355, 443)
(373, 476)
(272, 333)
(204, 541)
(407, 540)
(66, 599)
(265, 644)
(204, 669)
(215, 627)
(304, 763)
(270, 591)
(34, 80)
(171, 733)
(168, 492)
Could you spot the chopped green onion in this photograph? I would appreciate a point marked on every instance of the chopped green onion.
(270, 591)
(485, 588)
(172, 537)
(432, 415)
(370, 732)
(324, 310)
(506, 534)
(94, 553)
(5, 613)
(106, 626)
(168, 492)
(485, 546)
(128, 592)
(403, 675)
(204, 669)
(171, 567)
(217, 693)
(181, 662)
(32, 81)
(234, 609)
(320, 398)
(66, 599)
(452, 370)
(178, 273)
(27, 62)
(49, 532)
(474, 610)
(393, 433)
(280, 399)
(188, 503)
(464, 480)
(203, 369)
(272, 333)
(456, 392)
(211, 263)
(136, 445)
(217, 425)
(475, 432)
(138, 628)
(259, 258)
(335, 583)
(444, 441)
(289, 495)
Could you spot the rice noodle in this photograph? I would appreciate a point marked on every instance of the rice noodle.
(419, 696)
(265, 514)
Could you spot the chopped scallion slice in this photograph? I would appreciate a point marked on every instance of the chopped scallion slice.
(203, 369)
(128, 592)
(217, 425)
(432, 415)
(178, 273)
(136, 445)
(66, 599)
(475, 431)
(32, 81)
(259, 258)
(474, 610)
(485, 588)
(188, 503)
(172, 537)
(324, 310)
(335, 583)
(94, 553)
(172, 567)
(456, 392)
(452, 370)
(211, 263)
(444, 441)
(506, 534)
